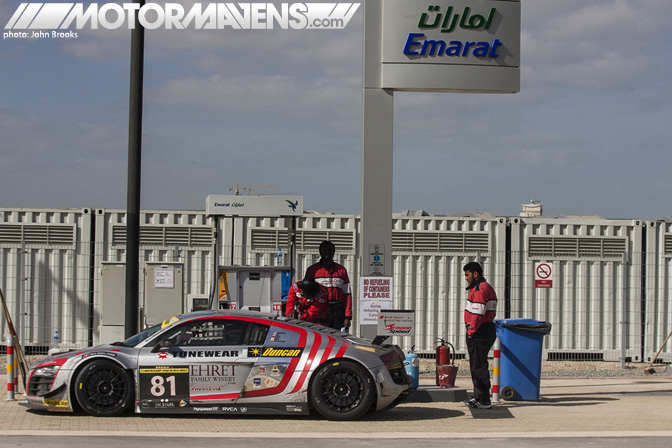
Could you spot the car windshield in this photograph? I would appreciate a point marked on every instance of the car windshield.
(138, 338)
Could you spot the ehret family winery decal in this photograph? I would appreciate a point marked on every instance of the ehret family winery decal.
(30, 20)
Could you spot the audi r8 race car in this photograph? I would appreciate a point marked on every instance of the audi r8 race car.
(225, 362)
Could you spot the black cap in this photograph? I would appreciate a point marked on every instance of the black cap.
(309, 287)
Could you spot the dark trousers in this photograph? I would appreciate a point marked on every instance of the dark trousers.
(478, 347)
(336, 315)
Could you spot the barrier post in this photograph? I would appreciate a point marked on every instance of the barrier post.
(495, 372)
(10, 369)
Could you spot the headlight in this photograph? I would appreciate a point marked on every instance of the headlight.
(47, 372)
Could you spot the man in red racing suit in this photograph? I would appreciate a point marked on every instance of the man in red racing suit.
(334, 277)
(478, 317)
(309, 301)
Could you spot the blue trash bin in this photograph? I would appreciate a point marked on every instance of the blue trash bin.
(521, 343)
(412, 366)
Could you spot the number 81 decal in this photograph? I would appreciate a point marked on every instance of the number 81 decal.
(164, 383)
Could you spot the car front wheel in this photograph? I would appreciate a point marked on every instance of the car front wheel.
(104, 389)
(342, 390)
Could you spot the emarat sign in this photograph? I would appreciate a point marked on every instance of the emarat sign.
(458, 45)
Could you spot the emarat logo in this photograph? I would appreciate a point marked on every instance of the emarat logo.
(30, 19)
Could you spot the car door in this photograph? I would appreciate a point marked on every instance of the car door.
(197, 362)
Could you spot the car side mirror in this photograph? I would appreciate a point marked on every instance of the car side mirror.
(162, 345)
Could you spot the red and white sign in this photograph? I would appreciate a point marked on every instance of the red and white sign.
(375, 294)
(543, 275)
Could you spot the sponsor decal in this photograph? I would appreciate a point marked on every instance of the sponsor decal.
(270, 382)
(86, 355)
(294, 408)
(164, 369)
(212, 370)
(395, 366)
(256, 382)
(281, 352)
(206, 409)
(211, 377)
(253, 352)
(394, 328)
(229, 409)
(164, 404)
(368, 349)
(200, 354)
(182, 403)
(167, 322)
(55, 403)
(243, 409)
(277, 336)
(275, 371)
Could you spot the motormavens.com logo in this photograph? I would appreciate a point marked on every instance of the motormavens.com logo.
(31, 19)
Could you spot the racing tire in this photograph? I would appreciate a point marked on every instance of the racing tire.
(104, 389)
(342, 390)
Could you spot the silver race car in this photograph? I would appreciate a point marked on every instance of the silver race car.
(225, 362)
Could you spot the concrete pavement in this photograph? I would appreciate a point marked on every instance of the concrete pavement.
(577, 407)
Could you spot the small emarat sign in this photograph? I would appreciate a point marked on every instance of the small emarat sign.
(248, 205)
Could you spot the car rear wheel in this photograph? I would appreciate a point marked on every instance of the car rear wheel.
(104, 389)
(342, 390)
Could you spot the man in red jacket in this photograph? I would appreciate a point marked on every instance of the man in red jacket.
(335, 278)
(478, 317)
(309, 301)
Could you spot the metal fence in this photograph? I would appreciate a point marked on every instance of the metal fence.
(610, 297)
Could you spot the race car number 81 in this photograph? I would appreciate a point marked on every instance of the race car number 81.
(171, 383)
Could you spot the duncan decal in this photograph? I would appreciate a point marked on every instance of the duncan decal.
(253, 352)
(281, 352)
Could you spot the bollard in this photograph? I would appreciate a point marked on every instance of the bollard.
(11, 380)
(495, 372)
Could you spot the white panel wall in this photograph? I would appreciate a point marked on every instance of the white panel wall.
(658, 301)
(45, 273)
(166, 240)
(585, 304)
(616, 287)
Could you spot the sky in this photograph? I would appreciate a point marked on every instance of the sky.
(589, 132)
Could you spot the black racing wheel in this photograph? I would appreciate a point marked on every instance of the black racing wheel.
(342, 390)
(104, 389)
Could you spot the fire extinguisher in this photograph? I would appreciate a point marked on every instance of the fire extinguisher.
(442, 356)
(442, 353)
